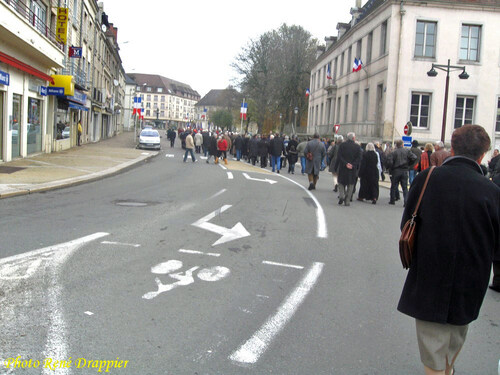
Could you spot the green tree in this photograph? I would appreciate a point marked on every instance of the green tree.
(223, 119)
(274, 73)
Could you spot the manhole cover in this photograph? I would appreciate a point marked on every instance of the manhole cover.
(131, 204)
(8, 170)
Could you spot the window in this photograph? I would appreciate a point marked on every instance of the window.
(345, 107)
(425, 41)
(497, 127)
(162, 113)
(159, 89)
(359, 47)
(355, 100)
(148, 97)
(369, 48)
(338, 109)
(148, 89)
(366, 101)
(419, 111)
(464, 111)
(469, 42)
(341, 64)
(335, 68)
(162, 98)
(155, 98)
(349, 60)
(383, 38)
(321, 114)
(148, 105)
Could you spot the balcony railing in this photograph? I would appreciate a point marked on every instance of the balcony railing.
(78, 74)
(39, 24)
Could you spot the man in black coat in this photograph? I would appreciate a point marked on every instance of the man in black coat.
(276, 148)
(398, 162)
(458, 237)
(238, 146)
(347, 165)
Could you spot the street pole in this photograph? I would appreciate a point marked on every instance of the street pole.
(241, 114)
(445, 107)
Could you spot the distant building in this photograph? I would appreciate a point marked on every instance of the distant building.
(397, 43)
(165, 100)
(226, 99)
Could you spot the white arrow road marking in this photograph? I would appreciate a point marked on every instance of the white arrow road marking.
(234, 233)
(259, 179)
(169, 155)
(251, 350)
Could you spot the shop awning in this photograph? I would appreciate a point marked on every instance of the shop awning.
(77, 106)
(24, 67)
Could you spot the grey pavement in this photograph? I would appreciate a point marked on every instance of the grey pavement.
(41, 172)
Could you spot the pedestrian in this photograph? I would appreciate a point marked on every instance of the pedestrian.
(439, 155)
(198, 141)
(171, 136)
(425, 157)
(413, 167)
(253, 149)
(493, 165)
(80, 131)
(212, 148)
(263, 151)
(450, 268)
(302, 156)
(238, 146)
(189, 146)
(347, 164)
(381, 155)
(276, 149)
(398, 162)
(316, 150)
(222, 147)
(333, 154)
(369, 174)
(292, 154)
(206, 142)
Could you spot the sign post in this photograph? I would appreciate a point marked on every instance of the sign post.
(336, 127)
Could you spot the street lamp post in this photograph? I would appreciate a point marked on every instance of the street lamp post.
(281, 123)
(447, 68)
(295, 111)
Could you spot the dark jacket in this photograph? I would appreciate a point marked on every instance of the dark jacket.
(292, 153)
(417, 152)
(253, 148)
(369, 175)
(458, 235)
(400, 158)
(318, 150)
(238, 143)
(276, 146)
(206, 139)
(213, 146)
(349, 152)
(263, 147)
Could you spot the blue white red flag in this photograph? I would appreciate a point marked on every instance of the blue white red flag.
(358, 64)
(243, 112)
(307, 92)
(328, 72)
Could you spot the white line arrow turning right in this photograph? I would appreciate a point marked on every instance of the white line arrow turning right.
(259, 179)
(228, 234)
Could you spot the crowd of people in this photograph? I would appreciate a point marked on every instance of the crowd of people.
(458, 237)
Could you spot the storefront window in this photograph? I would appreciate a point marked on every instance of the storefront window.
(1, 125)
(34, 126)
(16, 125)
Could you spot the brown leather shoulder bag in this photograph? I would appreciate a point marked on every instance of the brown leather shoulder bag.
(409, 231)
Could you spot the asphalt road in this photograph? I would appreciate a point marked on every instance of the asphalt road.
(115, 270)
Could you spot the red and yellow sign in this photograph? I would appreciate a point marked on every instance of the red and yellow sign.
(62, 24)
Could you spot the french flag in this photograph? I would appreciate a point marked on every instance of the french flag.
(307, 93)
(328, 72)
(243, 112)
(137, 105)
(358, 64)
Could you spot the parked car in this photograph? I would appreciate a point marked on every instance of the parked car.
(65, 132)
(149, 138)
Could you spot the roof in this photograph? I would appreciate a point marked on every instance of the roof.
(129, 80)
(170, 86)
(219, 98)
(210, 99)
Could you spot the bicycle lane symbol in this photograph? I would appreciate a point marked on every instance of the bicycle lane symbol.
(185, 278)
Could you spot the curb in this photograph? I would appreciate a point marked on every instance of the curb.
(59, 184)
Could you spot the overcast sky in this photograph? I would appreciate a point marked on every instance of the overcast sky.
(195, 41)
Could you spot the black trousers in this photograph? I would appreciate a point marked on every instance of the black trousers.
(399, 177)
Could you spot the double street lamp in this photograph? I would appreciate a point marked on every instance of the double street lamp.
(447, 68)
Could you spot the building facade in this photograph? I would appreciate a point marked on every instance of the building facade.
(397, 43)
(50, 80)
(168, 102)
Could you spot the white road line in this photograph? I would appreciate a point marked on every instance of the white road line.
(322, 231)
(89, 313)
(220, 165)
(282, 265)
(219, 193)
(120, 243)
(198, 252)
(230, 176)
(169, 155)
(251, 350)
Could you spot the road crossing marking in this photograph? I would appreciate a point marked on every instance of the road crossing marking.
(282, 265)
(120, 243)
(218, 193)
(252, 349)
(198, 252)
(230, 176)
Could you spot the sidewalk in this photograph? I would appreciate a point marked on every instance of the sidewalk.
(77, 165)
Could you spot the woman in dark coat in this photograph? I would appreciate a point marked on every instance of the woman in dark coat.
(212, 149)
(369, 173)
(292, 154)
(253, 149)
(458, 237)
